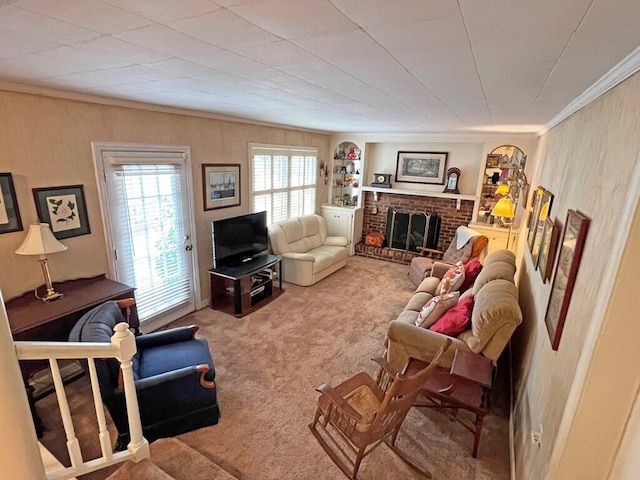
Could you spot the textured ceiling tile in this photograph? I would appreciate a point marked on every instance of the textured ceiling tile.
(94, 14)
(225, 61)
(164, 39)
(40, 26)
(275, 54)
(166, 10)
(222, 28)
(296, 18)
(397, 13)
(13, 44)
(110, 51)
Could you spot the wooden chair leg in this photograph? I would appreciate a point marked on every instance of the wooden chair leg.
(476, 436)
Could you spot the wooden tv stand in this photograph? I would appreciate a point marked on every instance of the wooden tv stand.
(241, 289)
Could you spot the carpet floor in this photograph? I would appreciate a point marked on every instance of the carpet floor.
(267, 366)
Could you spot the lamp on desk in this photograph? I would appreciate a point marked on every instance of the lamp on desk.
(504, 209)
(40, 241)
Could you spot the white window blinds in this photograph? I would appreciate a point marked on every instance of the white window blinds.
(150, 232)
(283, 181)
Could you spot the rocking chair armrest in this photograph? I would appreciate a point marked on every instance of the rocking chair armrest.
(424, 250)
(338, 401)
(386, 366)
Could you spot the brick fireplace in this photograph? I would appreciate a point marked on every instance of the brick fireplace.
(451, 219)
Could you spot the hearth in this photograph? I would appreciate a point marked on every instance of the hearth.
(409, 230)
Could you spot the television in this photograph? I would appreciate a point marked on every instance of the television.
(238, 240)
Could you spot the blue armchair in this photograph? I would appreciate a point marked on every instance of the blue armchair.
(173, 373)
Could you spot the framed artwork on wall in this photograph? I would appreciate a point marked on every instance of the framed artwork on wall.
(547, 249)
(572, 242)
(421, 167)
(64, 209)
(10, 220)
(544, 208)
(221, 185)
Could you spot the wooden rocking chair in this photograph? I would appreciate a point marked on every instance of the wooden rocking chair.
(364, 413)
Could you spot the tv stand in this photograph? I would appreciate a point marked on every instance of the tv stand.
(241, 289)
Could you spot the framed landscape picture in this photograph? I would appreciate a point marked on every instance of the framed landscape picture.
(547, 249)
(421, 167)
(10, 220)
(221, 185)
(64, 209)
(572, 242)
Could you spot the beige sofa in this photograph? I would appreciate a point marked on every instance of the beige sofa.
(308, 253)
(494, 317)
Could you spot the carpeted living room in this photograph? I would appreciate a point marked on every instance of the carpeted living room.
(267, 367)
(131, 129)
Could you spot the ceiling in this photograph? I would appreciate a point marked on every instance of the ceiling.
(384, 66)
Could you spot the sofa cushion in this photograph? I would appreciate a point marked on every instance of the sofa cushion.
(495, 305)
(456, 320)
(436, 308)
(417, 302)
(429, 285)
(500, 256)
(494, 271)
(452, 280)
(326, 256)
(471, 271)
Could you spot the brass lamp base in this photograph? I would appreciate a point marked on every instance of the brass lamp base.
(50, 296)
(51, 293)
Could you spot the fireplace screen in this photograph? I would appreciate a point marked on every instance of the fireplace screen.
(409, 230)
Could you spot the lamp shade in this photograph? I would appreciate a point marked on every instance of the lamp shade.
(502, 190)
(40, 241)
(504, 208)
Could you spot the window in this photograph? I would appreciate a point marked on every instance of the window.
(283, 181)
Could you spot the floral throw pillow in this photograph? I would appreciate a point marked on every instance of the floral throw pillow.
(436, 308)
(452, 280)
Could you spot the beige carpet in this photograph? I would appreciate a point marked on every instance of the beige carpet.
(269, 362)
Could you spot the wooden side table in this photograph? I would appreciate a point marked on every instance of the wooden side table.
(464, 387)
(32, 319)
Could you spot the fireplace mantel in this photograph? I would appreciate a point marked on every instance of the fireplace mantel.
(420, 193)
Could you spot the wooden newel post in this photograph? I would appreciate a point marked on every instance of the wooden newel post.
(125, 341)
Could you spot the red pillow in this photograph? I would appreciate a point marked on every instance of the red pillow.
(456, 320)
(471, 270)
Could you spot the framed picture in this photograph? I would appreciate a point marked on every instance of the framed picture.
(64, 209)
(542, 201)
(421, 167)
(221, 185)
(10, 220)
(547, 249)
(571, 246)
(493, 159)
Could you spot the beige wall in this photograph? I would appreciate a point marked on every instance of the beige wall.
(47, 142)
(582, 393)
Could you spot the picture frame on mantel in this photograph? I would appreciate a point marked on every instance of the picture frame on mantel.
(572, 243)
(10, 220)
(64, 209)
(421, 167)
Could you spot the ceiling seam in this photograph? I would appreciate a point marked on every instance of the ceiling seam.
(403, 67)
(475, 61)
(555, 64)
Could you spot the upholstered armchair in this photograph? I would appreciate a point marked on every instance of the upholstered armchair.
(173, 372)
(465, 245)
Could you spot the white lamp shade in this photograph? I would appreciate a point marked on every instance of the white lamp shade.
(504, 208)
(40, 241)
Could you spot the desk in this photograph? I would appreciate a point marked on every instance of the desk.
(464, 387)
(32, 319)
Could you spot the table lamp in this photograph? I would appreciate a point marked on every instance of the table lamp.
(40, 241)
(504, 209)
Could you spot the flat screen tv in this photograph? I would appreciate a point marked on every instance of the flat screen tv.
(238, 240)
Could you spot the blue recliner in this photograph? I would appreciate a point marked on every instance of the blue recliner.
(173, 373)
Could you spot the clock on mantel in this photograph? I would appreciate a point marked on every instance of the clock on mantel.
(381, 180)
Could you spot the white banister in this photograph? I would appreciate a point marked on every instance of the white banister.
(19, 453)
(123, 348)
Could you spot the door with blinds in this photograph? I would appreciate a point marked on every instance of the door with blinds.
(149, 224)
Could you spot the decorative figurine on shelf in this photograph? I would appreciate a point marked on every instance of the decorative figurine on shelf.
(352, 155)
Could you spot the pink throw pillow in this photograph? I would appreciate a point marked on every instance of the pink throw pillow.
(456, 320)
(471, 270)
(435, 308)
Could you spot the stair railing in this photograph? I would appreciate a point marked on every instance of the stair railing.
(123, 348)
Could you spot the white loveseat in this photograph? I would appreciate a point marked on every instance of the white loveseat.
(308, 253)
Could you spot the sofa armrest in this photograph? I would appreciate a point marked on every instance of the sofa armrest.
(305, 257)
(408, 341)
(335, 241)
(165, 337)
